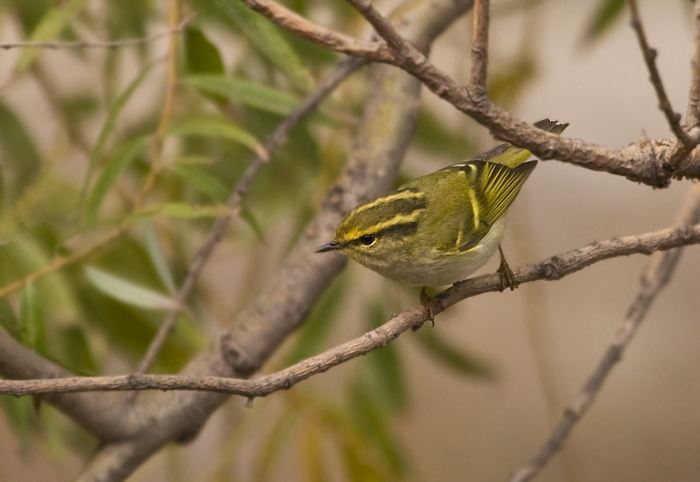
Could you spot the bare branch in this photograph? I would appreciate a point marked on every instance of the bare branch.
(648, 163)
(297, 24)
(650, 55)
(480, 46)
(693, 113)
(275, 140)
(554, 267)
(656, 275)
(112, 44)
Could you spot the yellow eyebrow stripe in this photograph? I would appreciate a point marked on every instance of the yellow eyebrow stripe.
(396, 220)
(391, 197)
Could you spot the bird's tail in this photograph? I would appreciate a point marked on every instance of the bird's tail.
(513, 156)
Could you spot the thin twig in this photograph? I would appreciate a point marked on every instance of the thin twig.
(304, 28)
(277, 138)
(650, 55)
(656, 275)
(112, 44)
(480, 45)
(692, 115)
(554, 267)
(166, 113)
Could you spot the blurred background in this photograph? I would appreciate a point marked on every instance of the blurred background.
(472, 398)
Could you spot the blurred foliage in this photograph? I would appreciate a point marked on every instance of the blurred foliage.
(76, 170)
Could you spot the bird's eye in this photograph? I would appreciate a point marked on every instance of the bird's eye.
(368, 239)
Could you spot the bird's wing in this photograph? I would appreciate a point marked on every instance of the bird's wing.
(492, 188)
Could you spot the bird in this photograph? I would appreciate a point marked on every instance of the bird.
(440, 228)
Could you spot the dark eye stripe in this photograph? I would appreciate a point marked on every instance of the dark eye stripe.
(396, 230)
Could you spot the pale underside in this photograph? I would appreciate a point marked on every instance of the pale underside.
(439, 268)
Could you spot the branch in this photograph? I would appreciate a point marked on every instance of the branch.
(233, 204)
(648, 163)
(650, 55)
(297, 24)
(552, 268)
(480, 46)
(112, 44)
(655, 277)
(693, 113)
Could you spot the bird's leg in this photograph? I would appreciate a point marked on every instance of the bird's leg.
(507, 277)
(427, 303)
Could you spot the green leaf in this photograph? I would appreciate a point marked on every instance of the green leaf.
(51, 25)
(184, 211)
(128, 292)
(18, 149)
(31, 320)
(218, 128)
(606, 14)
(201, 56)
(201, 180)
(451, 357)
(241, 91)
(115, 109)
(386, 365)
(318, 323)
(249, 218)
(155, 254)
(121, 160)
(8, 319)
(268, 40)
(75, 350)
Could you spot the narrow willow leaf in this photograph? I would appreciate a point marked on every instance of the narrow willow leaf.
(606, 14)
(184, 211)
(201, 180)
(249, 218)
(318, 323)
(241, 91)
(31, 320)
(108, 127)
(128, 292)
(18, 150)
(201, 56)
(121, 160)
(155, 254)
(451, 357)
(51, 25)
(218, 128)
(267, 39)
(386, 365)
(75, 351)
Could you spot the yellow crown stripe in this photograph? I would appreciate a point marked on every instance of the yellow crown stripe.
(399, 195)
(395, 221)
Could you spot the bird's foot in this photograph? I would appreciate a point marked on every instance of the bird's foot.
(506, 274)
(427, 303)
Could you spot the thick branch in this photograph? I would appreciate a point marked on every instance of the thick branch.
(656, 275)
(382, 138)
(552, 268)
(218, 231)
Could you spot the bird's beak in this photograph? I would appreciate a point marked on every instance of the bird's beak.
(330, 246)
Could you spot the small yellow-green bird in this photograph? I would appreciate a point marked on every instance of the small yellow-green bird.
(439, 228)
